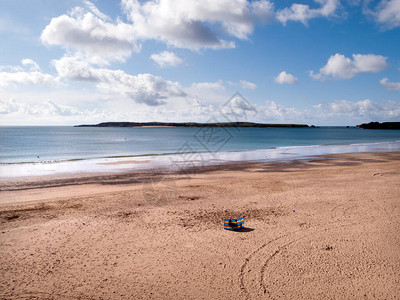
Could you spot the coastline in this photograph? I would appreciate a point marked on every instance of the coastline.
(192, 124)
(183, 160)
(134, 172)
(332, 221)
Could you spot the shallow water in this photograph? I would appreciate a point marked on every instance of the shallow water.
(31, 151)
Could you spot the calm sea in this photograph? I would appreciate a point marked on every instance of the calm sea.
(86, 146)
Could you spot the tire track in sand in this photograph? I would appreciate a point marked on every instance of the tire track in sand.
(42, 296)
(251, 275)
(250, 279)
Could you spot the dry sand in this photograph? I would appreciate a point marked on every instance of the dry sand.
(325, 229)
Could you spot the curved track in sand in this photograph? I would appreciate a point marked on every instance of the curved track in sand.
(308, 263)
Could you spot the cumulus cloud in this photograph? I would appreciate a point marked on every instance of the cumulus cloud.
(142, 88)
(341, 67)
(339, 112)
(216, 86)
(33, 66)
(237, 109)
(83, 31)
(346, 107)
(166, 59)
(189, 24)
(363, 110)
(194, 24)
(45, 108)
(273, 112)
(387, 13)
(13, 75)
(92, 40)
(8, 106)
(248, 85)
(34, 78)
(210, 101)
(390, 86)
(50, 108)
(207, 92)
(264, 10)
(303, 13)
(17, 112)
(284, 77)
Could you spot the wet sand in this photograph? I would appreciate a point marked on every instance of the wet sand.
(126, 162)
(324, 229)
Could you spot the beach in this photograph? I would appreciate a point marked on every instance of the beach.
(325, 228)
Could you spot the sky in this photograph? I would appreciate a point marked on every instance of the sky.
(321, 62)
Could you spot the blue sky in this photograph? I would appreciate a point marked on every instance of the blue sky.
(323, 62)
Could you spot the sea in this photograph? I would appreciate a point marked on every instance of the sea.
(39, 151)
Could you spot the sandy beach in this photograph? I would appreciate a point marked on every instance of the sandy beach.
(322, 229)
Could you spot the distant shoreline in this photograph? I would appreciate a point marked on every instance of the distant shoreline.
(377, 125)
(191, 124)
(371, 125)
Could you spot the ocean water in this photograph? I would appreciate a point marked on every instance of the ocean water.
(27, 151)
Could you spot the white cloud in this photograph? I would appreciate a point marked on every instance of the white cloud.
(273, 112)
(45, 108)
(8, 106)
(30, 62)
(142, 88)
(284, 77)
(166, 59)
(303, 13)
(34, 78)
(195, 24)
(341, 67)
(190, 24)
(207, 92)
(236, 109)
(90, 6)
(264, 10)
(9, 68)
(364, 110)
(181, 111)
(51, 108)
(82, 31)
(387, 13)
(339, 112)
(390, 86)
(13, 75)
(16, 112)
(215, 87)
(248, 85)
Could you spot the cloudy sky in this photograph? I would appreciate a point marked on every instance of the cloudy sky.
(323, 62)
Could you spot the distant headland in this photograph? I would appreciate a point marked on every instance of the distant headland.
(377, 125)
(188, 124)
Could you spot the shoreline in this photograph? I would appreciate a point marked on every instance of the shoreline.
(183, 160)
(325, 228)
(143, 176)
(215, 164)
